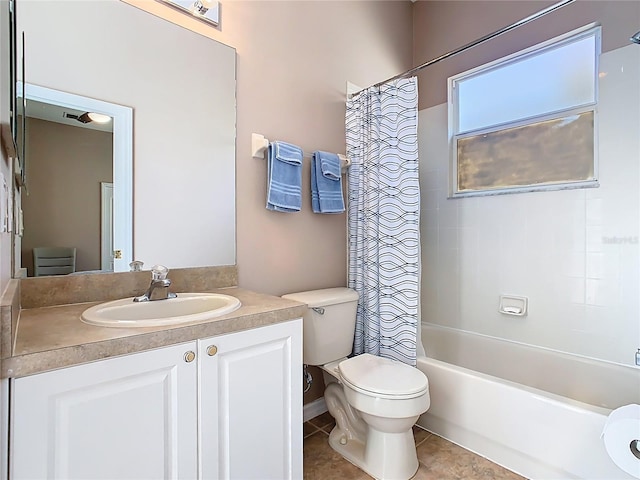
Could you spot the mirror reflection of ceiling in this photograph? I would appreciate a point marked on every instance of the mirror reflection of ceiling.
(181, 86)
(63, 115)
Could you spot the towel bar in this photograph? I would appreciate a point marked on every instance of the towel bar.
(259, 145)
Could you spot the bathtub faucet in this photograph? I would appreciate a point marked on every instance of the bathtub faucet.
(159, 288)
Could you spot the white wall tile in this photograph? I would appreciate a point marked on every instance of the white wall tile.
(573, 253)
(594, 211)
(573, 263)
(594, 238)
(428, 200)
(595, 265)
(447, 238)
(429, 180)
(577, 289)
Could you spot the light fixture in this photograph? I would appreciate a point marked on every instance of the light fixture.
(88, 117)
(97, 117)
(205, 10)
(635, 38)
(201, 7)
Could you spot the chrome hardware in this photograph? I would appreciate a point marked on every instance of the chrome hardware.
(189, 356)
(136, 266)
(212, 350)
(159, 288)
(306, 376)
(319, 310)
(634, 448)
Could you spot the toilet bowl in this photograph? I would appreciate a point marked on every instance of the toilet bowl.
(388, 397)
(375, 401)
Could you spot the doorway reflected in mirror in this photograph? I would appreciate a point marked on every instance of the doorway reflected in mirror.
(80, 175)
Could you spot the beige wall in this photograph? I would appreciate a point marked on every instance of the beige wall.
(294, 59)
(442, 26)
(66, 166)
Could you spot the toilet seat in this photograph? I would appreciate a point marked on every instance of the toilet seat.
(383, 377)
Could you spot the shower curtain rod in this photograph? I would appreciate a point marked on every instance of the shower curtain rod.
(480, 40)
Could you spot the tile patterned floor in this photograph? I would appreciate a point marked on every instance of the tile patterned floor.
(439, 459)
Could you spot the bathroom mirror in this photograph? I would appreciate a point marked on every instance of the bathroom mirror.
(180, 87)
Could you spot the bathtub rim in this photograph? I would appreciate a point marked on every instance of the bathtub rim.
(536, 392)
(562, 353)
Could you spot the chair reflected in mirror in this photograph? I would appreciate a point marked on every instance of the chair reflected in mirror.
(53, 261)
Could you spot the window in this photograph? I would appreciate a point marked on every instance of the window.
(528, 121)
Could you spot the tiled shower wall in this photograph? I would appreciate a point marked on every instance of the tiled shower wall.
(573, 253)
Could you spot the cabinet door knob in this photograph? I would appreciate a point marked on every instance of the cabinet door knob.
(212, 350)
(189, 356)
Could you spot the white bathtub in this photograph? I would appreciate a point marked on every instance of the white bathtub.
(536, 412)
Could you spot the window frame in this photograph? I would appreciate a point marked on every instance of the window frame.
(591, 30)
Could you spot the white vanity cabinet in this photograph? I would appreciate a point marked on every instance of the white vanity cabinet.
(251, 404)
(126, 417)
(226, 407)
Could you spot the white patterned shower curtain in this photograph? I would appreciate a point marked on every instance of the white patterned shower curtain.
(383, 218)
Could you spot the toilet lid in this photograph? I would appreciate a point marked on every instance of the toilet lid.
(383, 376)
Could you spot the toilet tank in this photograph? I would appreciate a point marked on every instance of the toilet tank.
(329, 325)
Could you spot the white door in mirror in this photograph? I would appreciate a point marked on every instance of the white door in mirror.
(186, 308)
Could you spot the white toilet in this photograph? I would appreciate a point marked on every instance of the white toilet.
(375, 401)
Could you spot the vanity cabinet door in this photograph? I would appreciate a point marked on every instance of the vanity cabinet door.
(132, 417)
(251, 404)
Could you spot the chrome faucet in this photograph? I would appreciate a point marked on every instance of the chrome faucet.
(159, 288)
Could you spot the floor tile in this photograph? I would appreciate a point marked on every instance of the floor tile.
(439, 459)
(324, 421)
(420, 434)
(321, 462)
(308, 429)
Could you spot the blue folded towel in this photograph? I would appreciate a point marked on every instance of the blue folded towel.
(326, 183)
(284, 177)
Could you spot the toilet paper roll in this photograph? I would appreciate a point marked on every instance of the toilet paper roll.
(621, 435)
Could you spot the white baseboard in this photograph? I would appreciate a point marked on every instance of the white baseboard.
(313, 409)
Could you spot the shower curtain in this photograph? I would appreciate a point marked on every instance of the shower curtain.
(383, 218)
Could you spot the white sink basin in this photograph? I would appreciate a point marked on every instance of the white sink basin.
(187, 307)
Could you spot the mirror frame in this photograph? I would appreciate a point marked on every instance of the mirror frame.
(122, 160)
(13, 73)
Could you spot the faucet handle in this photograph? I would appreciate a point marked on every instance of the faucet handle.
(159, 272)
(136, 266)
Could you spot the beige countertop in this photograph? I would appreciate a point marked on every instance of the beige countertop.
(52, 337)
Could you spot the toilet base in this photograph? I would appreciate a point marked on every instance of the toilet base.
(384, 456)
